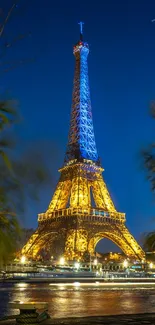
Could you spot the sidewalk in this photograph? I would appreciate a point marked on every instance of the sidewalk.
(138, 319)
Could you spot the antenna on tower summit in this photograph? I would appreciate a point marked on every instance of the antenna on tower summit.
(81, 30)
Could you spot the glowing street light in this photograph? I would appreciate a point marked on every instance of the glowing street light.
(77, 265)
(62, 261)
(125, 263)
(151, 265)
(95, 261)
(77, 284)
(23, 259)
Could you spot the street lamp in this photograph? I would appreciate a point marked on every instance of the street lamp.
(125, 263)
(95, 261)
(77, 265)
(62, 261)
(23, 259)
(90, 262)
(151, 265)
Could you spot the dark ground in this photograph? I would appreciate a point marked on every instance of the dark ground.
(106, 320)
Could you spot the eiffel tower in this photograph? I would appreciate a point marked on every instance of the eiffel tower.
(81, 211)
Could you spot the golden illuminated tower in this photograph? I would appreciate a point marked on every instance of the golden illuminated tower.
(73, 224)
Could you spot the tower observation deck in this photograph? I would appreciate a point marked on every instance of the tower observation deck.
(81, 211)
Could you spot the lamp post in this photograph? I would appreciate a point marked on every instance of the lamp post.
(125, 264)
(151, 265)
(23, 260)
(77, 266)
(62, 261)
(90, 263)
(95, 261)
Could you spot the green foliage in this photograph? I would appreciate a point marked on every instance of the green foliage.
(9, 233)
(7, 113)
(21, 176)
(149, 242)
(148, 156)
(149, 164)
(9, 226)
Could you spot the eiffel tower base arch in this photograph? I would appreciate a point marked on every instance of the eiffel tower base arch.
(76, 237)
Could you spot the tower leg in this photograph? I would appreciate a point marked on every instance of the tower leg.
(45, 243)
(120, 236)
(101, 195)
(61, 196)
(76, 243)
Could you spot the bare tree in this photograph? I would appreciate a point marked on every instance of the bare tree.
(7, 44)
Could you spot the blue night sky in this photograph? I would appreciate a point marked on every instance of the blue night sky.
(122, 82)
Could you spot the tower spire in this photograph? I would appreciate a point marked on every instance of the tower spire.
(81, 140)
(81, 30)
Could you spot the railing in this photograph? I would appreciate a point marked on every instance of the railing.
(90, 212)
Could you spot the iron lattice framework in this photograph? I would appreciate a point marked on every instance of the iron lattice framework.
(72, 226)
(81, 140)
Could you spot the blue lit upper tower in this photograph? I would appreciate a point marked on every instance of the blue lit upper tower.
(81, 140)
